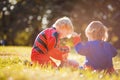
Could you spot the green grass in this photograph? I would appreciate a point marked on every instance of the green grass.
(12, 67)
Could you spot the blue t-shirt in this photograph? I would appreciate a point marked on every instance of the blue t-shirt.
(98, 53)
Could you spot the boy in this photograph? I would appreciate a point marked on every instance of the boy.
(47, 43)
(97, 51)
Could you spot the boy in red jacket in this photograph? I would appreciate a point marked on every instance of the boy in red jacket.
(47, 43)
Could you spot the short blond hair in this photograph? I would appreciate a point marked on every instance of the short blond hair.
(96, 30)
(64, 22)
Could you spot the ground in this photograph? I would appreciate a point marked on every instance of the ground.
(12, 67)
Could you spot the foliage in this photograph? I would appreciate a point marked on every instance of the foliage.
(12, 68)
(22, 38)
(35, 15)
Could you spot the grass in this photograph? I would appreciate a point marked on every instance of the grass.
(12, 67)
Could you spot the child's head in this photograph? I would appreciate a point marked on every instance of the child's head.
(64, 26)
(96, 30)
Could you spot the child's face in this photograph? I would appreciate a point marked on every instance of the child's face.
(65, 33)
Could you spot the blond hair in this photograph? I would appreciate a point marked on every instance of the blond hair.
(96, 30)
(64, 23)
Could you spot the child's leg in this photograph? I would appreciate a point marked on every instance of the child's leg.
(42, 59)
(69, 63)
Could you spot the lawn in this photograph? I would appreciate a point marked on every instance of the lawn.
(12, 67)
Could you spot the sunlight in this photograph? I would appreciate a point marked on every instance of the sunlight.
(13, 1)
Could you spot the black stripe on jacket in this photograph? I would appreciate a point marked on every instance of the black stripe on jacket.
(38, 49)
(55, 34)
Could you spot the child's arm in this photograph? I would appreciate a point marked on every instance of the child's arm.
(82, 49)
(114, 51)
(76, 38)
(79, 47)
(58, 54)
(55, 53)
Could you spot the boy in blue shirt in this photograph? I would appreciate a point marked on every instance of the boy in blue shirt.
(97, 51)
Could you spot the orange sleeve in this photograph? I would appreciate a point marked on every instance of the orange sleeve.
(76, 40)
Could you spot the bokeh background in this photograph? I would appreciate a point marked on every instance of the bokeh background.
(22, 20)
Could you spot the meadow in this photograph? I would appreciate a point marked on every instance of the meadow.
(12, 67)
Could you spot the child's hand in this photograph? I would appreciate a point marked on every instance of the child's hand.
(76, 38)
(65, 56)
(65, 49)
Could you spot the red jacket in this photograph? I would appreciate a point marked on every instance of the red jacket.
(46, 45)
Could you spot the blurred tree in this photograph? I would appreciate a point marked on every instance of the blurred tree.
(107, 11)
(22, 20)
